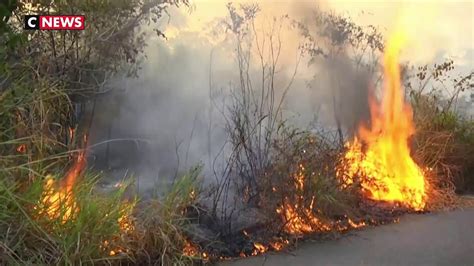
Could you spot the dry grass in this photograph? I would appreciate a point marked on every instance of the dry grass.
(159, 235)
(302, 177)
(443, 144)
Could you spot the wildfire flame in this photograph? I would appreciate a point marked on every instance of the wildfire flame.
(296, 223)
(259, 249)
(58, 201)
(190, 249)
(21, 148)
(279, 244)
(380, 155)
(127, 227)
(71, 131)
(298, 218)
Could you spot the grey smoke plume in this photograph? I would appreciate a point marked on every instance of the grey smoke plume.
(171, 117)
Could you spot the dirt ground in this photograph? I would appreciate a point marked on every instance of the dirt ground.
(445, 238)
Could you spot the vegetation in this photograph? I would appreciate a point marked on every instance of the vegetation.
(290, 174)
(100, 228)
(48, 85)
(444, 139)
(160, 235)
(28, 237)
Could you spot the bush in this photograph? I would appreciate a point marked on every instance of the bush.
(444, 139)
(301, 187)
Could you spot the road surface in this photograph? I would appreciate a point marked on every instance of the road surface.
(424, 239)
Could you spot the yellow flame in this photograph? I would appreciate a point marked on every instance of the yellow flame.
(190, 249)
(57, 202)
(21, 148)
(380, 155)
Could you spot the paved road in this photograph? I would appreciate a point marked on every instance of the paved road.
(428, 239)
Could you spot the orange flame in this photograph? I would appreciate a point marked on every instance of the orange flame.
(58, 199)
(71, 133)
(298, 218)
(126, 224)
(21, 148)
(73, 173)
(259, 249)
(190, 249)
(57, 202)
(380, 155)
(280, 244)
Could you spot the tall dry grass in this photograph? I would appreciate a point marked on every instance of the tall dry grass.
(444, 139)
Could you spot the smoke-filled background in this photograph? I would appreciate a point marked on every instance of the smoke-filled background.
(172, 116)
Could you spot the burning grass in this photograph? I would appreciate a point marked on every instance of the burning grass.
(307, 194)
(300, 191)
(300, 197)
(306, 184)
(33, 233)
(42, 224)
(313, 186)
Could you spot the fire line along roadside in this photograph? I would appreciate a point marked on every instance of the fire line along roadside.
(54, 22)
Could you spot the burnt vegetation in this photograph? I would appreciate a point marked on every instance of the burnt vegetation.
(282, 178)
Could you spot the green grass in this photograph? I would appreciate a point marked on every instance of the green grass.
(28, 236)
(161, 224)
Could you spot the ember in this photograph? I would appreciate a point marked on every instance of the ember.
(190, 249)
(21, 148)
(298, 224)
(280, 244)
(299, 219)
(126, 225)
(259, 248)
(71, 133)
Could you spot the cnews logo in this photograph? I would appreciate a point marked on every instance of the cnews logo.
(57, 22)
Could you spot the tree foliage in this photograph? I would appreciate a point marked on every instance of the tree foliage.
(46, 77)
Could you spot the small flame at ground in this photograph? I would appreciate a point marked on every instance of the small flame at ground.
(190, 249)
(71, 133)
(279, 244)
(259, 249)
(302, 218)
(297, 223)
(21, 148)
(58, 201)
(299, 219)
(126, 225)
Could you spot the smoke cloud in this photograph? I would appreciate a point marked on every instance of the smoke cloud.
(171, 117)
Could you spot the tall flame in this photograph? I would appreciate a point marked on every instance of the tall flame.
(58, 198)
(380, 155)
